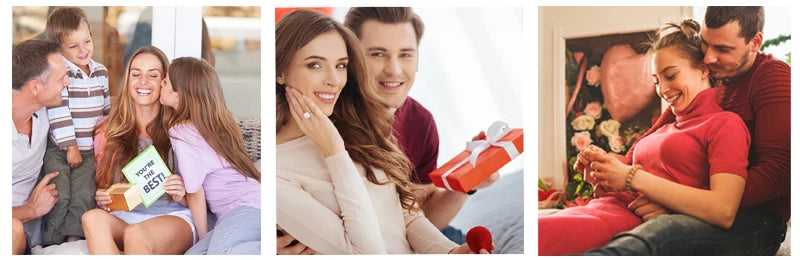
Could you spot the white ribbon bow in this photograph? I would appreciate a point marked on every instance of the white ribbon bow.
(496, 131)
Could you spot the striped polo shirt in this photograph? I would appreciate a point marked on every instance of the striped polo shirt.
(83, 103)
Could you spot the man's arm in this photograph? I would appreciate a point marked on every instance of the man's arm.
(768, 175)
(440, 205)
(23, 213)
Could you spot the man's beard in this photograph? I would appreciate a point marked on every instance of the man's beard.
(739, 70)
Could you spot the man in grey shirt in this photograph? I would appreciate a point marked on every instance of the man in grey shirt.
(38, 77)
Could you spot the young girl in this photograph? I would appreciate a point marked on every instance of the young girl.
(695, 166)
(210, 153)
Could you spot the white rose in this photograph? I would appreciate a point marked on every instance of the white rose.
(609, 127)
(593, 76)
(616, 143)
(594, 109)
(584, 122)
(581, 140)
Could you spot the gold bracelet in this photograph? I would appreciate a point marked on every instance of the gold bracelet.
(628, 181)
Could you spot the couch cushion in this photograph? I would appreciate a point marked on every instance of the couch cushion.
(251, 135)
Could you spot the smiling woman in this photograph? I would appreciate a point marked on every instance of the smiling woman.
(319, 70)
(322, 199)
(136, 122)
(696, 166)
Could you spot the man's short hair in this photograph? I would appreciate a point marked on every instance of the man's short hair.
(751, 19)
(392, 15)
(29, 61)
(63, 21)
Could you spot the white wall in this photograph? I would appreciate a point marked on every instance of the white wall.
(470, 72)
(573, 22)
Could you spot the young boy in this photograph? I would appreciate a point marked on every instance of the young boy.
(69, 150)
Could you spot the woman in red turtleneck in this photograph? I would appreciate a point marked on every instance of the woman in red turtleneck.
(695, 166)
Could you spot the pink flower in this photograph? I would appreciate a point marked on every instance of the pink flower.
(578, 56)
(594, 109)
(581, 140)
(593, 76)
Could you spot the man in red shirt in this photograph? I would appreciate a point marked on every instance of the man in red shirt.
(390, 38)
(756, 86)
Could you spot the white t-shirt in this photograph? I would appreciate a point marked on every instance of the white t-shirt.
(27, 161)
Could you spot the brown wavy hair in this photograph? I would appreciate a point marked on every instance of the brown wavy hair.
(360, 115)
(202, 103)
(121, 132)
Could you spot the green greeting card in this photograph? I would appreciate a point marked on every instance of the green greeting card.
(150, 172)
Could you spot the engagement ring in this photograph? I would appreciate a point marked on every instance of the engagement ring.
(307, 115)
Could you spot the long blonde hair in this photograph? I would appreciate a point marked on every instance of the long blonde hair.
(202, 103)
(361, 117)
(121, 131)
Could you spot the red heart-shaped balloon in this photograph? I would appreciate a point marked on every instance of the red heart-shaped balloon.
(479, 238)
(626, 82)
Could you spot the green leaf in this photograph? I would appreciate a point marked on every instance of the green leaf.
(569, 191)
(543, 186)
(578, 177)
(778, 40)
(579, 188)
(588, 191)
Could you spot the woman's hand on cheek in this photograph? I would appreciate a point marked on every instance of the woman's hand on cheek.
(314, 123)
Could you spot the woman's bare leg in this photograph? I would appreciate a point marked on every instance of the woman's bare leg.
(104, 232)
(164, 235)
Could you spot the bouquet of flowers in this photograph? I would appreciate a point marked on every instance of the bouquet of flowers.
(588, 123)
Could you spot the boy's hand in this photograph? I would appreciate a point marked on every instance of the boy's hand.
(74, 158)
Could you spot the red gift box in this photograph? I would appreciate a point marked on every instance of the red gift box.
(464, 172)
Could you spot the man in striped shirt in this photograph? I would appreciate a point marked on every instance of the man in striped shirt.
(70, 148)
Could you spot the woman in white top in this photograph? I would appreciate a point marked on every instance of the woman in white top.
(342, 181)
